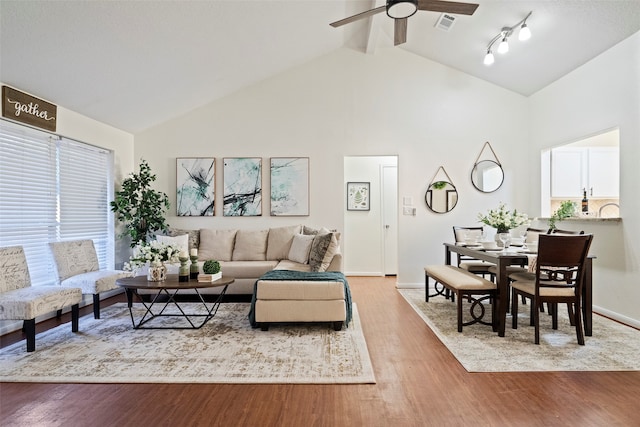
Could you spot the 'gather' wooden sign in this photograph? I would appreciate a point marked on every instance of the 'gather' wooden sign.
(28, 109)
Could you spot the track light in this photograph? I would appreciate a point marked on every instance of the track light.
(488, 58)
(503, 47)
(523, 34)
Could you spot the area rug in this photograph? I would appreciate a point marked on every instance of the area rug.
(613, 346)
(225, 350)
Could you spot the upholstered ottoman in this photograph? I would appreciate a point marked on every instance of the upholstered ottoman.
(293, 296)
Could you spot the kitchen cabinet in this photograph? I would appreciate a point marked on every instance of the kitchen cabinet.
(596, 169)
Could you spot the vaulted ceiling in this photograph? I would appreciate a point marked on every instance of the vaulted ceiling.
(133, 64)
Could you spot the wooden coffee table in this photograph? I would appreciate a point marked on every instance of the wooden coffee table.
(169, 288)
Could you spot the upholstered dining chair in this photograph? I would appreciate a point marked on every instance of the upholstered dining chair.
(468, 263)
(78, 267)
(21, 301)
(565, 253)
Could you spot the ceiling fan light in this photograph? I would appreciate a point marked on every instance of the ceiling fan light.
(399, 9)
(524, 33)
(488, 58)
(503, 47)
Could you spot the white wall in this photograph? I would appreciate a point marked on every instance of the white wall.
(602, 94)
(349, 104)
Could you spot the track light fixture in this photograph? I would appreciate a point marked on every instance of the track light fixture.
(523, 34)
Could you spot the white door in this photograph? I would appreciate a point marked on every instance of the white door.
(390, 219)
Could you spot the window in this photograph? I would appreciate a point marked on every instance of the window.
(53, 189)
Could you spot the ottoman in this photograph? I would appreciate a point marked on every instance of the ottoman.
(314, 298)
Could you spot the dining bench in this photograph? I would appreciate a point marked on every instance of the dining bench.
(464, 284)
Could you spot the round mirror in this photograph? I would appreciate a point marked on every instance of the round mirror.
(487, 176)
(441, 197)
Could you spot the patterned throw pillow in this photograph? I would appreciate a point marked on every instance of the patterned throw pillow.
(319, 247)
(194, 236)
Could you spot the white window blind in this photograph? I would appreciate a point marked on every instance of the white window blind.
(52, 189)
(84, 194)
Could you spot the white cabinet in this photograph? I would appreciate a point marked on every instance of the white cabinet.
(604, 172)
(596, 169)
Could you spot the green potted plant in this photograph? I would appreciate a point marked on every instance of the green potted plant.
(211, 267)
(211, 271)
(567, 209)
(139, 207)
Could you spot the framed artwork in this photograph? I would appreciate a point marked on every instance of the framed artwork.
(195, 186)
(242, 182)
(289, 186)
(358, 196)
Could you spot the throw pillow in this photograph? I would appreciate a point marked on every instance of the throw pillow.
(194, 236)
(321, 243)
(182, 242)
(314, 231)
(251, 245)
(300, 248)
(279, 242)
(216, 244)
(331, 251)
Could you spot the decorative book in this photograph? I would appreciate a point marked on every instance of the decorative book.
(209, 277)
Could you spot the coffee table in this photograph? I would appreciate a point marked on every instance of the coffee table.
(169, 288)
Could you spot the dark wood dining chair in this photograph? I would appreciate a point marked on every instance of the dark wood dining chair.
(565, 232)
(564, 253)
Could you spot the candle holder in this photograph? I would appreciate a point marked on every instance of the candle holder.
(183, 275)
(194, 267)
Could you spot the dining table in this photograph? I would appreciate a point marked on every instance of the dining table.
(502, 259)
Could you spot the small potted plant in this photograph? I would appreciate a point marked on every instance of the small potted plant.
(211, 271)
(567, 209)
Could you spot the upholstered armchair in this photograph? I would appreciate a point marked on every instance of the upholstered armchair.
(78, 267)
(21, 301)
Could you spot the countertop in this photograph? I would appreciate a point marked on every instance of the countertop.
(585, 218)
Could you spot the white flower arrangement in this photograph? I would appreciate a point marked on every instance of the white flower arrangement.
(152, 253)
(502, 219)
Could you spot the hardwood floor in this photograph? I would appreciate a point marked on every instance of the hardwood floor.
(419, 383)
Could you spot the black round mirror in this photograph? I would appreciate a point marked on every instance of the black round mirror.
(441, 197)
(487, 176)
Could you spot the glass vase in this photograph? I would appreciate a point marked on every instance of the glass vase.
(157, 272)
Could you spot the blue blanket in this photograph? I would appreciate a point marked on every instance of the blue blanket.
(333, 276)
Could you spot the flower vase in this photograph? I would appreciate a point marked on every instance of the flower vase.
(157, 272)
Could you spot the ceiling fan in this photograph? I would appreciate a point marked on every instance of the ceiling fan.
(400, 10)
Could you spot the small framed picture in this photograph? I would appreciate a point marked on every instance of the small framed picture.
(358, 196)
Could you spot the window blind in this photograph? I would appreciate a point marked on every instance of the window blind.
(53, 189)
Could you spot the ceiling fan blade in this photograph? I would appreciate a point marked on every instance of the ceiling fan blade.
(400, 31)
(448, 6)
(358, 16)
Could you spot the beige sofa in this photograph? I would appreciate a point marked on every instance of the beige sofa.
(248, 254)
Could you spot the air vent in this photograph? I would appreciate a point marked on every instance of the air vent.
(445, 22)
